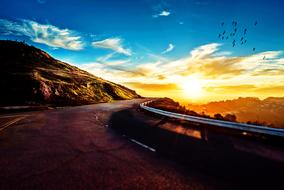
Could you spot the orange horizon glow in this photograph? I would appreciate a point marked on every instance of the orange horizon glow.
(206, 74)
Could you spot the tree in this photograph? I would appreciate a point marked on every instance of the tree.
(230, 117)
(218, 116)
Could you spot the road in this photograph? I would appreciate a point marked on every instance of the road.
(74, 148)
(117, 146)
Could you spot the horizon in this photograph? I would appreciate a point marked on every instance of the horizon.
(161, 48)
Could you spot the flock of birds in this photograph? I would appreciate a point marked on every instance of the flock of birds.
(226, 35)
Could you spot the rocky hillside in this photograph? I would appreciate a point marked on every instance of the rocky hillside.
(29, 76)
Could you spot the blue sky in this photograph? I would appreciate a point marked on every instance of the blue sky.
(123, 35)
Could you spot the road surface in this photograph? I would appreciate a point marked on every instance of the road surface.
(116, 146)
(74, 148)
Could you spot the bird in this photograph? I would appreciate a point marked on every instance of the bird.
(255, 23)
(227, 37)
(242, 43)
(245, 31)
(223, 38)
(264, 58)
(234, 43)
(253, 49)
(224, 32)
(222, 24)
(242, 38)
(245, 41)
(219, 35)
(235, 30)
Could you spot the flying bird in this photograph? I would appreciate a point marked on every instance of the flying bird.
(227, 37)
(253, 49)
(234, 43)
(255, 23)
(245, 31)
(245, 41)
(242, 38)
(219, 35)
(224, 32)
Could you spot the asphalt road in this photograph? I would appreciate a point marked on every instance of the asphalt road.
(74, 148)
(97, 147)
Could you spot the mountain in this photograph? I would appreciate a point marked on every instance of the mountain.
(269, 110)
(30, 76)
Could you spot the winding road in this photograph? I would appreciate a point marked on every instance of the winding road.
(79, 148)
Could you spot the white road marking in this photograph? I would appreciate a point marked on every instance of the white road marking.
(8, 116)
(143, 145)
(9, 123)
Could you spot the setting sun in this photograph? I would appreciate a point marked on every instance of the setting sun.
(192, 87)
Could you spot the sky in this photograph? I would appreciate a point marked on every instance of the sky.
(162, 48)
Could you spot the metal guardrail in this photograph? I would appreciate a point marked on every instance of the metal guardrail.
(224, 124)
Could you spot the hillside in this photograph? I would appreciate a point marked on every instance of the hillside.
(269, 110)
(30, 76)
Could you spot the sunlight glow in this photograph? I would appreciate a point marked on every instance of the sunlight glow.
(192, 87)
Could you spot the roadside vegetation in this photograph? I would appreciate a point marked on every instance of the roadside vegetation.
(170, 105)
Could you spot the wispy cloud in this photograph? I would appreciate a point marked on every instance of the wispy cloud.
(114, 44)
(42, 33)
(169, 49)
(163, 13)
(41, 1)
(220, 70)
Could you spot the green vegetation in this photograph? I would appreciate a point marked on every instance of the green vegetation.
(29, 76)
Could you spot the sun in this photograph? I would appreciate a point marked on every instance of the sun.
(192, 87)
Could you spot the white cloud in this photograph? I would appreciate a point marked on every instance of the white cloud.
(114, 44)
(169, 49)
(42, 33)
(163, 13)
(212, 65)
(204, 51)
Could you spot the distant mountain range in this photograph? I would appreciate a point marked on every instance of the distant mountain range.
(30, 76)
(269, 110)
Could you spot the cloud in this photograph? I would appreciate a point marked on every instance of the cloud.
(42, 33)
(223, 75)
(152, 87)
(114, 44)
(249, 89)
(169, 49)
(163, 13)
(41, 1)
